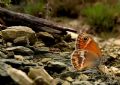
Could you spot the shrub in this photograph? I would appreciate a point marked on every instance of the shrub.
(5, 3)
(35, 8)
(100, 16)
(68, 8)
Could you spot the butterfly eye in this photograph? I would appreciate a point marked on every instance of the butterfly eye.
(85, 38)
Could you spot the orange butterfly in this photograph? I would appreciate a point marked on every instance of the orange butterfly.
(86, 53)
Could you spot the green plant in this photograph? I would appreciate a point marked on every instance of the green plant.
(5, 3)
(67, 8)
(116, 8)
(100, 16)
(35, 8)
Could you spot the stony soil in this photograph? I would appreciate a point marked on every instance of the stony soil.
(22, 48)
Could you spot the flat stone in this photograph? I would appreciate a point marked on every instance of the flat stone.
(45, 60)
(9, 44)
(66, 83)
(3, 69)
(2, 55)
(115, 71)
(83, 77)
(20, 50)
(41, 50)
(45, 35)
(56, 66)
(13, 32)
(21, 40)
(73, 35)
(47, 38)
(19, 57)
(81, 83)
(16, 63)
(69, 79)
(117, 42)
(39, 44)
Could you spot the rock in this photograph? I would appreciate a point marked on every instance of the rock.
(45, 35)
(44, 49)
(40, 81)
(4, 77)
(9, 44)
(73, 74)
(41, 50)
(66, 83)
(13, 32)
(81, 83)
(19, 57)
(117, 42)
(40, 75)
(1, 41)
(10, 54)
(55, 66)
(72, 45)
(20, 50)
(103, 69)
(63, 46)
(45, 60)
(113, 55)
(23, 41)
(99, 82)
(69, 79)
(67, 38)
(73, 35)
(2, 55)
(3, 69)
(57, 81)
(47, 38)
(115, 71)
(22, 58)
(39, 44)
(16, 63)
(19, 76)
(83, 77)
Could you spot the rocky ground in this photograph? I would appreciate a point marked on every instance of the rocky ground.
(29, 58)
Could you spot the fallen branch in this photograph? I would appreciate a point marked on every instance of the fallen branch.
(37, 24)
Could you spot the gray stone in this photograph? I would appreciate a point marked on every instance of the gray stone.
(16, 63)
(66, 83)
(3, 69)
(83, 77)
(69, 79)
(39, 44)
(72, 45)
(13, 32)
(81, 83)
(23, 40)
(41, 50)
(72, 74)
(44, 60)
(56, 66)
(9, 44)
(44, 49)
(45, 35)
(20, 50)
(47, 38)
(2, 55)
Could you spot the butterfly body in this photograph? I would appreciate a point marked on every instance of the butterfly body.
(86, 52)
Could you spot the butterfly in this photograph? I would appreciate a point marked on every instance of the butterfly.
(87, 52)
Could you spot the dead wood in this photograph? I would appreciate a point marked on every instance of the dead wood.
(37, 24)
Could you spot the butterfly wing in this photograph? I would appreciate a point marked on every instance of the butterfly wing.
(82, 59)
(91, 59)
(76, 60)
